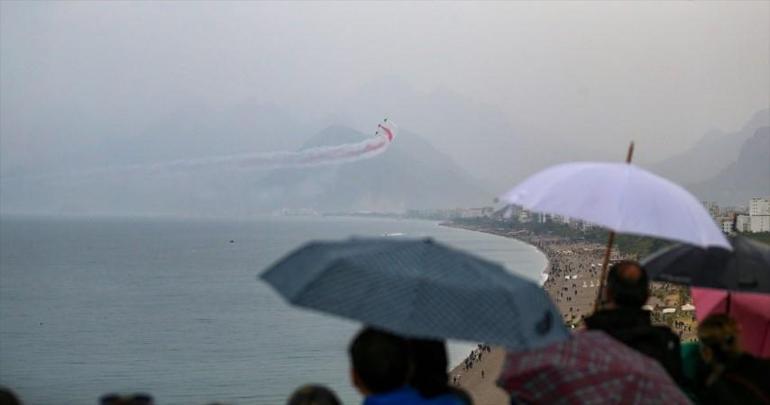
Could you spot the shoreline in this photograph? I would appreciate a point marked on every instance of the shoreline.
(544, 274)
(570, 277)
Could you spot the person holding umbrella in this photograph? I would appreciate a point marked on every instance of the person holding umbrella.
(624, 319)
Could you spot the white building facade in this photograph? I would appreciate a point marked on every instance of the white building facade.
(742, 223)
(759, 215)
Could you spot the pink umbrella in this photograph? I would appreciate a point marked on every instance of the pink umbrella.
(751, 310)
(591, 367)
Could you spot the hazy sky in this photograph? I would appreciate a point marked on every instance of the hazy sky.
(660, 72)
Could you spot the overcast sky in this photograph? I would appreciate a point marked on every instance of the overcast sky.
(662, 73)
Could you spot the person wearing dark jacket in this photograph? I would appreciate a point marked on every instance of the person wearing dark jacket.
(730, 375)
(429, 372)
(624, 319)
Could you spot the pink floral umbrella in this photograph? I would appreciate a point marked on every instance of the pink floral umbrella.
(591, 367)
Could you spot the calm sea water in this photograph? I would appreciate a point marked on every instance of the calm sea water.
(171, 307)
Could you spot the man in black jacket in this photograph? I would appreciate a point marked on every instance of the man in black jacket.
(624, 319)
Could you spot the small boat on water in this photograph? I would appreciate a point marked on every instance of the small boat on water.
(390, 234)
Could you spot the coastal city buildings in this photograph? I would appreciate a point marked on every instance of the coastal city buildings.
(755, 219)
(759, 215)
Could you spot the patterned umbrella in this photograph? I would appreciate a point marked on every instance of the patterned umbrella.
(590, 368)
(418, 288)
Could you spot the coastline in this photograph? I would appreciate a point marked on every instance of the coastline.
(570, 277)
(544, 274)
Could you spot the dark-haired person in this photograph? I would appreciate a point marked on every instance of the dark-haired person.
(429, 373)
(135, 399)
(730, 375)
(313, 395)
(7, 397)
(623, 318)
(380, 368)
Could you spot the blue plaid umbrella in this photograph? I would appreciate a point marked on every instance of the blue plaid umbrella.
(418, 288)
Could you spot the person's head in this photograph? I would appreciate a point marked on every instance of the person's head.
(719, 335)
(429, 367)
(380, 361)
(7, 397)
(135, 399)
(627, 284)
(313, 395)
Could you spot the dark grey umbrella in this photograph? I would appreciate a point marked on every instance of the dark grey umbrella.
(745, 269)
(418, 288)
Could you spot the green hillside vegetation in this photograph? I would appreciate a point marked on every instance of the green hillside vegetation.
(763, 237)
(629, 245)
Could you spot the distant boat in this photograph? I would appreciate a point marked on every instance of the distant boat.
(393, 234)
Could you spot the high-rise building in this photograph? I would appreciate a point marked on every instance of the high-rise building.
(759, 206)
(759, 215)
(742, 223)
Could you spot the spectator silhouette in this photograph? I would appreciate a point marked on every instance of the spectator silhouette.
(429, 373)
(623, 318)
(7, 397)
(313, 395)
(381, 370)
(730, 375)
(135, 399)
(380, 366)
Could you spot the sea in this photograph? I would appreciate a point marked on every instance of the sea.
(174, 307)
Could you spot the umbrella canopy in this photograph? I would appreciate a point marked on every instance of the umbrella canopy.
(750, 310)
(746, 268)
(621, 197)
(591, 368)
(418, 288)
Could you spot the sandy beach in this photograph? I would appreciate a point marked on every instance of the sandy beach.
(573, 273)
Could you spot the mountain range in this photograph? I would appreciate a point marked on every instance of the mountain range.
(714, 153)
(746, 177)
(410, 174)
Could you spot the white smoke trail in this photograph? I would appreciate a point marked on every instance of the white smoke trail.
(319, 156)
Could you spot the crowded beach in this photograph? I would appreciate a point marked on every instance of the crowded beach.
(599, 330)
(572, 282)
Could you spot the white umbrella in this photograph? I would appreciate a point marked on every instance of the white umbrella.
(621, 197)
